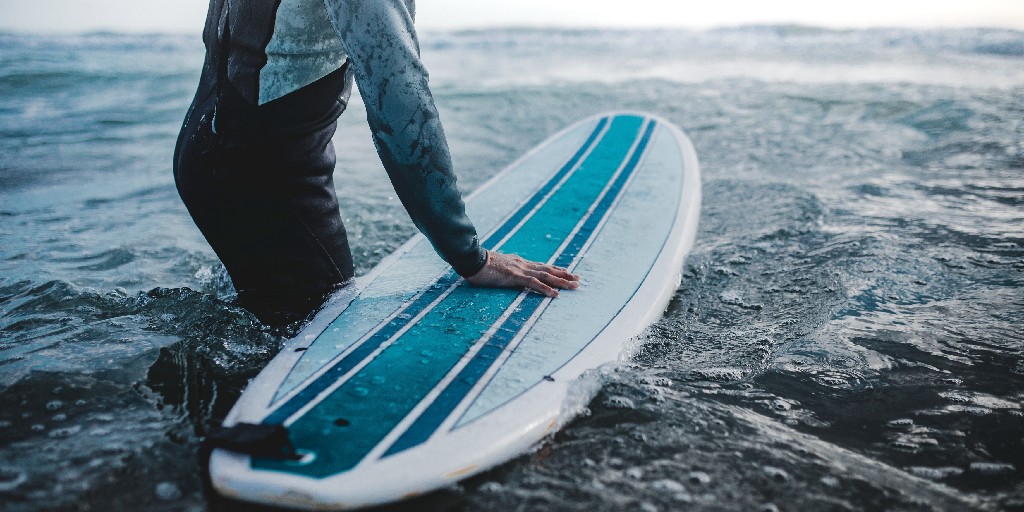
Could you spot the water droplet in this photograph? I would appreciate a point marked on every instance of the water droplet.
(934, 473)
(698, 478)
(683, 497)
(991, 468)
(167, 491)
(666, 485)
(53, 405)
(38, 428)
(777, 474)
(361, 391)
(905, 445)
(635, 473)
(954, 397)
(768, 507)
(833, 381)
(618, 402)
(491, 487)
(11, 478)
(64, 432)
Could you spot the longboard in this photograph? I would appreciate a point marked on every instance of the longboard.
(410, 379)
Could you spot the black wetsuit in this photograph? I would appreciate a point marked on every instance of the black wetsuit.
(254, 160)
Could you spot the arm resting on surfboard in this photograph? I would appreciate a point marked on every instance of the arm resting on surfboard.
(380, 39)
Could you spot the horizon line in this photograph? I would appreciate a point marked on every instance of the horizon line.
(541, 27)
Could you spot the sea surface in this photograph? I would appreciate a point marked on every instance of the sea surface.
(847, 335)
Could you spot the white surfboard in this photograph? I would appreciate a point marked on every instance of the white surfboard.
(410, 379)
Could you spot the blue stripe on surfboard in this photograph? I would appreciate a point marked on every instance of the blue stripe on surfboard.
(536, 198)
(453, 394)
(346, 424)
(588, 228)
(418, 304)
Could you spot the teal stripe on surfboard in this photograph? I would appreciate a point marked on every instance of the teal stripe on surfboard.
(346, 425)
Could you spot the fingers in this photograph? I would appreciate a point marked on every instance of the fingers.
(546, 279)
(509, 270)
(555, 280)
(558, 272)
(538, 286)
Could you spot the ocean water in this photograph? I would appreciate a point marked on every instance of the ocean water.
(847, 335)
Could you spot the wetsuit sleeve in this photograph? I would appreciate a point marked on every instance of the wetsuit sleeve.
(380, 40)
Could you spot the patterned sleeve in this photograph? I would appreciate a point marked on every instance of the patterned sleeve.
(380, 40)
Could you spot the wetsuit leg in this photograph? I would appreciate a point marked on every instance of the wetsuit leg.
(258, 181)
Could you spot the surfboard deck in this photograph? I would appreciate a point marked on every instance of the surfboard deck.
(410, 379)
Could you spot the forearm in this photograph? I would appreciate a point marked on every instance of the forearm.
(381, 41)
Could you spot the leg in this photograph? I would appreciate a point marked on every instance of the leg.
(265, 201)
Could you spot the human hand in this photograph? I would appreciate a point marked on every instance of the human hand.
(511, 271)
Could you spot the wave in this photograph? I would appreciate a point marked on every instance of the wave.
(57, 326)
(101, 40)
(991, 41)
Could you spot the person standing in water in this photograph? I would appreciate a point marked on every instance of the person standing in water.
(254, 161)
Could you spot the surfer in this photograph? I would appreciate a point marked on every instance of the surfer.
(254, 161)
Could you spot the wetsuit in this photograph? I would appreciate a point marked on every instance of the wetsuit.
(254, 159)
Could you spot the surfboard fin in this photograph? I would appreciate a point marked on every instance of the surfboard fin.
(255, 439)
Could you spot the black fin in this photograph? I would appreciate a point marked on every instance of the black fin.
(255, 439)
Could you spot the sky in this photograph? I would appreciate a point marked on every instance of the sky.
(187, 15)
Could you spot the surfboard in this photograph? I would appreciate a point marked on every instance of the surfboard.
(410, 379)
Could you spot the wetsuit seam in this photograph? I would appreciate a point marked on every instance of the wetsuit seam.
(323, 250)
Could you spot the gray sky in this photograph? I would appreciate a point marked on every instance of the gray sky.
(187, 15)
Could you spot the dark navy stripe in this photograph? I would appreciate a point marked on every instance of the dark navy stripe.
(363, 350)
(457, 389)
